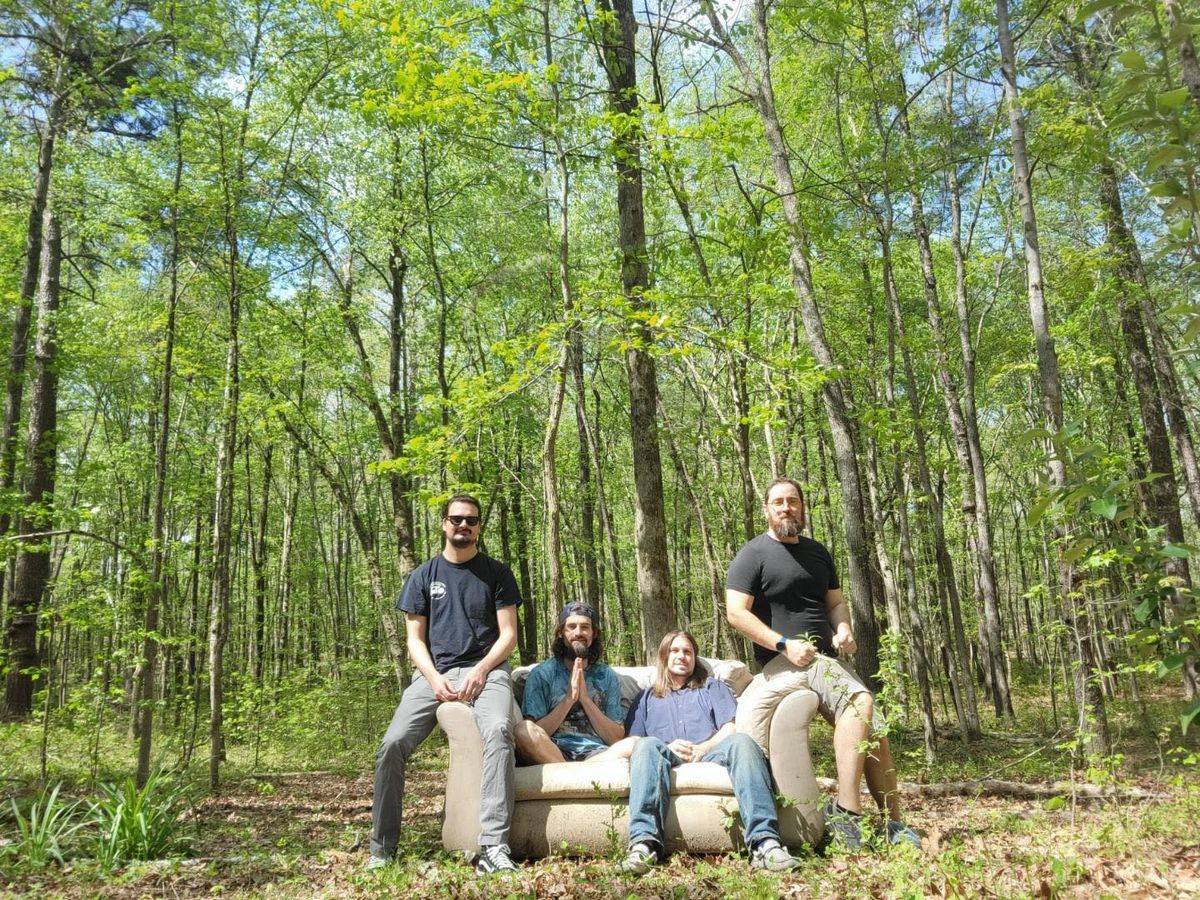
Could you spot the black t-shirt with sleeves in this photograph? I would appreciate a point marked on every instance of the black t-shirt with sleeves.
(788, 583)
(460, 600)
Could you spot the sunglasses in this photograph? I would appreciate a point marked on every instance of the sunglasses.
(463, 520)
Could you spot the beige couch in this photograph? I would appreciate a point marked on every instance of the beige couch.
(580, 807)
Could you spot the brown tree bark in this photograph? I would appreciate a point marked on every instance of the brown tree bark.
(1092, 722)
(22, 318)
(657, 606)
(156, 599)
(836, 391)
(32, 569)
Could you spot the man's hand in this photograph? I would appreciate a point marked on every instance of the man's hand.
(685, 750)
(843, 639)
(472, 686)
(578, 685)
(800, 653)
(442, 689)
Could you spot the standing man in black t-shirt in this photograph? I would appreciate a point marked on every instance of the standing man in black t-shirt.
(783, 594)
(460, 612)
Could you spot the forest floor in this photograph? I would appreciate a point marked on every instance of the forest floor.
(304, 835)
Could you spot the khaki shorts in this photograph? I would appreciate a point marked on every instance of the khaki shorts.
(834, 683)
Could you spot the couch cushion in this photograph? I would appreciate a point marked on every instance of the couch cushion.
(589, 780)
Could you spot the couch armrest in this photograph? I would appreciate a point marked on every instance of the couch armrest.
(791, 764)
(460, 825)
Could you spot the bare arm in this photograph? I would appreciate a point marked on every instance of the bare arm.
(839, 620)
(472, 685)
(609, 731)
(415, 629)
(739, 613)
(701, 750)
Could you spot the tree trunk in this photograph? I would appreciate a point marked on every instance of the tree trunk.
(15, 387)
(156, 600)
(836, 388)
(653, 574)
(33, 558)
(1092, 722)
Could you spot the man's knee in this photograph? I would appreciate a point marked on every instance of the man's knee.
(496, 731)
(860, 708)
(394, 752)
(528, 736)
(742, 743)
(648, 748)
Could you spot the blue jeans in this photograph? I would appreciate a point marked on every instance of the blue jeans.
(650, 787)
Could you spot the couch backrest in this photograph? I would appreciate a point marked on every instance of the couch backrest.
(634, 679)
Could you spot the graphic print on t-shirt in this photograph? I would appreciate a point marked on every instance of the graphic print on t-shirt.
(437, 590)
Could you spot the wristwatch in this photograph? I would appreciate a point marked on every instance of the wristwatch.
(781, 644)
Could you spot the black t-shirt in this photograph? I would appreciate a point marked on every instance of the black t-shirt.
(460, 600)
(788, 583)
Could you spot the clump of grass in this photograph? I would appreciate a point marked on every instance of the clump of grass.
(45, 830)
(138, 823)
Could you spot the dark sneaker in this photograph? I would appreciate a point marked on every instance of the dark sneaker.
(638, 860)
(899, 833)
(377, 862)
(772, 856)
(495, 860)
(842, 828)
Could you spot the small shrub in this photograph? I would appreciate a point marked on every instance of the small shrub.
(138, 824)
(46, 830)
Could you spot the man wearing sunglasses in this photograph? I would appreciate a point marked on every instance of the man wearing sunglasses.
(461, 624)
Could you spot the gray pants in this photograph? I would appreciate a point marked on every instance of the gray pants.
(412, 722)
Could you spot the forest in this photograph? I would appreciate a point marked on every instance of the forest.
(278, 277)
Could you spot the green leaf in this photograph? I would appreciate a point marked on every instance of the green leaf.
(1076, 551)
(1172, 99)
(1105, 507)
(1145, 609)
(1188, 715)
(1130, 116)
(1170, 188)
(1055, 803)
(1038, 510)
(1171, 663)
(1175, 551)
(1131, 59)
(1090, 9)
(1167, 154)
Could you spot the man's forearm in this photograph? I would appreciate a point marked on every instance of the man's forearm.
(719, 735)
(609, 731)
(752, 627)
(551, 722)
(418, 654)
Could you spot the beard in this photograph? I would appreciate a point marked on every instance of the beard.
(580, 649)
(461, 540)
(786, 527)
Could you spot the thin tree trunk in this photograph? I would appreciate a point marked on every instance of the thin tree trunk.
(1092, 722)
(836, 388)
(156, 601)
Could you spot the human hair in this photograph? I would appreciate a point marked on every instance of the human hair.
(461, 498)
(662, 679)
(783, 480)
(562, 650)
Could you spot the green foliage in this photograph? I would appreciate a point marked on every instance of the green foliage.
(139, 823)
(44, 829)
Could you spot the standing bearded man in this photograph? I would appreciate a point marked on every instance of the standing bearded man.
(460, 611)
(782, 593)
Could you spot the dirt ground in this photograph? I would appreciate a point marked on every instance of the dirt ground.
(304, 835)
